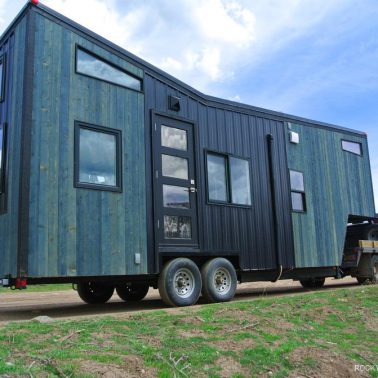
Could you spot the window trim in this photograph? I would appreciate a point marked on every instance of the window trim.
(78, 47)
(351, 152)
(3, 168)
(226, 156)
(302, 192)
(2, 88)
(119, 157)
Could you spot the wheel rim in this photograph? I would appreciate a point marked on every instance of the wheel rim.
(184, 283)
(222, 281)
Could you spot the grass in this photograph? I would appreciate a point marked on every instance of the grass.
(40, 288)
(311, 334)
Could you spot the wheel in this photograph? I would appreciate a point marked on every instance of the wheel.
(363, 232)
(219, 280)
(132, 292)
(94, 292)
(370, 272)
(362, 280)
(374, 277)
(180, 282)
(371, 232)
(312, 283)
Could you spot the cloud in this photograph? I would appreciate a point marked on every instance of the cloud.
(197, 41)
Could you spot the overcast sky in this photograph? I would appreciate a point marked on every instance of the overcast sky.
(312, 58)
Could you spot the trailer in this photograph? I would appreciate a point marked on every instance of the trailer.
(114, 175)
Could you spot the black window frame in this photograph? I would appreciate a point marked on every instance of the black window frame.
(301, 192)
(227, 157)
(100, 129)
(78, 47)
(3, 166)
(3, 78)
(354, 142)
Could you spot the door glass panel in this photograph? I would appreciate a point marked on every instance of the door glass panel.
(176, 196)
(173, 166)
(176, 227)
(216, 177)
(173, 138)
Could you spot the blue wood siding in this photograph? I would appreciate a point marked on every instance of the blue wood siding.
(337, 184)
(11, 113)
(76, 231)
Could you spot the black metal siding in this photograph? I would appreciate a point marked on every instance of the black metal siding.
(233, 229)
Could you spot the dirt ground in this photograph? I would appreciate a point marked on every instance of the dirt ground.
(24, 305)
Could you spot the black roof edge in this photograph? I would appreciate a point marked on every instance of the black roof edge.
(15, 21)
(164, 76)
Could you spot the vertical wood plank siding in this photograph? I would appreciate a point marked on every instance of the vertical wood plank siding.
(225, 229)
(337, 184)
(76, 231)
(11, 113)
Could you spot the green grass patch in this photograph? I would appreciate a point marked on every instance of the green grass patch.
(38, 288)
(296, 334)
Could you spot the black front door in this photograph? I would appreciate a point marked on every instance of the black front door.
(175, 186)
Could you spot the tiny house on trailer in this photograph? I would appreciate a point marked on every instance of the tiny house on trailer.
(115, 175)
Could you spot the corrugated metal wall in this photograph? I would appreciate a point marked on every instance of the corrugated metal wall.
(11, 113)
(337, 183)
(76, 231)
(224, 229)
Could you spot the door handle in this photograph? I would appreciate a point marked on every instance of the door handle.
(192, 190)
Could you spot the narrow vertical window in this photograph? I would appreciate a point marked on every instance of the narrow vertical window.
(2, 78)
(298, 197)
(240, 181)
(97, 157)
(2, 158)
(216, 178)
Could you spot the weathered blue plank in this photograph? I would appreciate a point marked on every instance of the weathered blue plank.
(337, 184)
(76, 231)
(11, 113)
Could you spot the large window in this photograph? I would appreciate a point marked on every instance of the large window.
(353, 147)
(91, 65)
(228, 179)
(298, 197)
(97, 157)
(2, 158)
(2, 77)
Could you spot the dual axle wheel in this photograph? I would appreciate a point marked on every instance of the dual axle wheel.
(181, 282)
(99, 292)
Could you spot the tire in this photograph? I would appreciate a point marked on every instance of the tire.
(362, 280)
(371, 232)
(132, 292)
(219, 280)
(363, 232)
(312, 283)
(94, 292)
(180, 282)
(372, 273)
